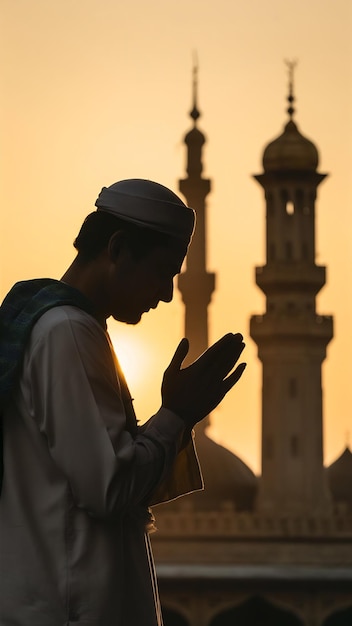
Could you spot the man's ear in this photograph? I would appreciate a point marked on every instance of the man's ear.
(116, 243)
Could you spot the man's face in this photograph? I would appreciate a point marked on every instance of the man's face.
(138, 285)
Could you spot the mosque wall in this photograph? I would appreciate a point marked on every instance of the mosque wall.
(207, 606)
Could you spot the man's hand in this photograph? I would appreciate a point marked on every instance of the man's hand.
(193, 392)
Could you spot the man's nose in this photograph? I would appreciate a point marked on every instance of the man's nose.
(167, 291)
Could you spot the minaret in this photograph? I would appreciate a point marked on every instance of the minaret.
(291, 336)
(226, 477)
(196, 284)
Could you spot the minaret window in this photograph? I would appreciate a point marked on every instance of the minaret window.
(290, 208)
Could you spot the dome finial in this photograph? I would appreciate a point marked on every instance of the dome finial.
(195, 114)
(291, 66)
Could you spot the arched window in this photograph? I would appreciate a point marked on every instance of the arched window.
(256, 612)
(173, 618)
(340, 618)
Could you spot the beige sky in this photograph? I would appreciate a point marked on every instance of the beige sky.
(93, 91)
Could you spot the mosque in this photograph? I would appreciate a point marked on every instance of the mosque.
(274, 549)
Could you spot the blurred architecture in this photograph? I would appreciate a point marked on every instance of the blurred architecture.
(274, 550)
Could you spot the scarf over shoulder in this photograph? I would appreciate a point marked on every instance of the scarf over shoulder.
(25, 303)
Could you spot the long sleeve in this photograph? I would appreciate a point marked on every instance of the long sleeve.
(76, 403)
(78, 477)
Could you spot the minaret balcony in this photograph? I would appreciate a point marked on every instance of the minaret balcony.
(195, 188)
(285, 329)
(283, 277)
(196, 287)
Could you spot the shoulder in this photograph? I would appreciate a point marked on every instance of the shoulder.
(69, 335)
(67, 320)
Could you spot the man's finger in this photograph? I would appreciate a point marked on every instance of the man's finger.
(180, 355)
(227, 343)
(231, 380)
(223, 362)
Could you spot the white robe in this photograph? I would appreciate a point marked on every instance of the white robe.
(73, 547)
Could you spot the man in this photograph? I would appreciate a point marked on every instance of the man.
(79, 473)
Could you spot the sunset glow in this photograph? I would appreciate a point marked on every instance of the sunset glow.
(94, 91)
(132, 355)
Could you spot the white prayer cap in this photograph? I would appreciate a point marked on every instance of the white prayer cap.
(148, 204)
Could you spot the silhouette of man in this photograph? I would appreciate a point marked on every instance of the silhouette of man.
(79, 473)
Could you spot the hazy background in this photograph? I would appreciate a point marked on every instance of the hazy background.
(94, 91)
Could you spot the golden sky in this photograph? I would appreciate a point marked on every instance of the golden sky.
(94, 91)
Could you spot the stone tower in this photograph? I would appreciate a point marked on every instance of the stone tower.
(291, 336)
(196, 284)
(221, 560)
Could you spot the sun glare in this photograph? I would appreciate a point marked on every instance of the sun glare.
(131, 354)
(138, 364)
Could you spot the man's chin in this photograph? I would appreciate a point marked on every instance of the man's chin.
(128, 319)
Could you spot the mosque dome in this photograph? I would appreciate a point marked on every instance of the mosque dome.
(226, 479)
(290, 151)
(195, 137)
(194, 140)
(339, 476)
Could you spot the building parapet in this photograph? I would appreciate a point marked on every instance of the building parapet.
(284, 327)
(227, 523)
(280, 573)
(281, 277)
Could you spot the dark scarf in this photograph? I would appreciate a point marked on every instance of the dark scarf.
(23, 306)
